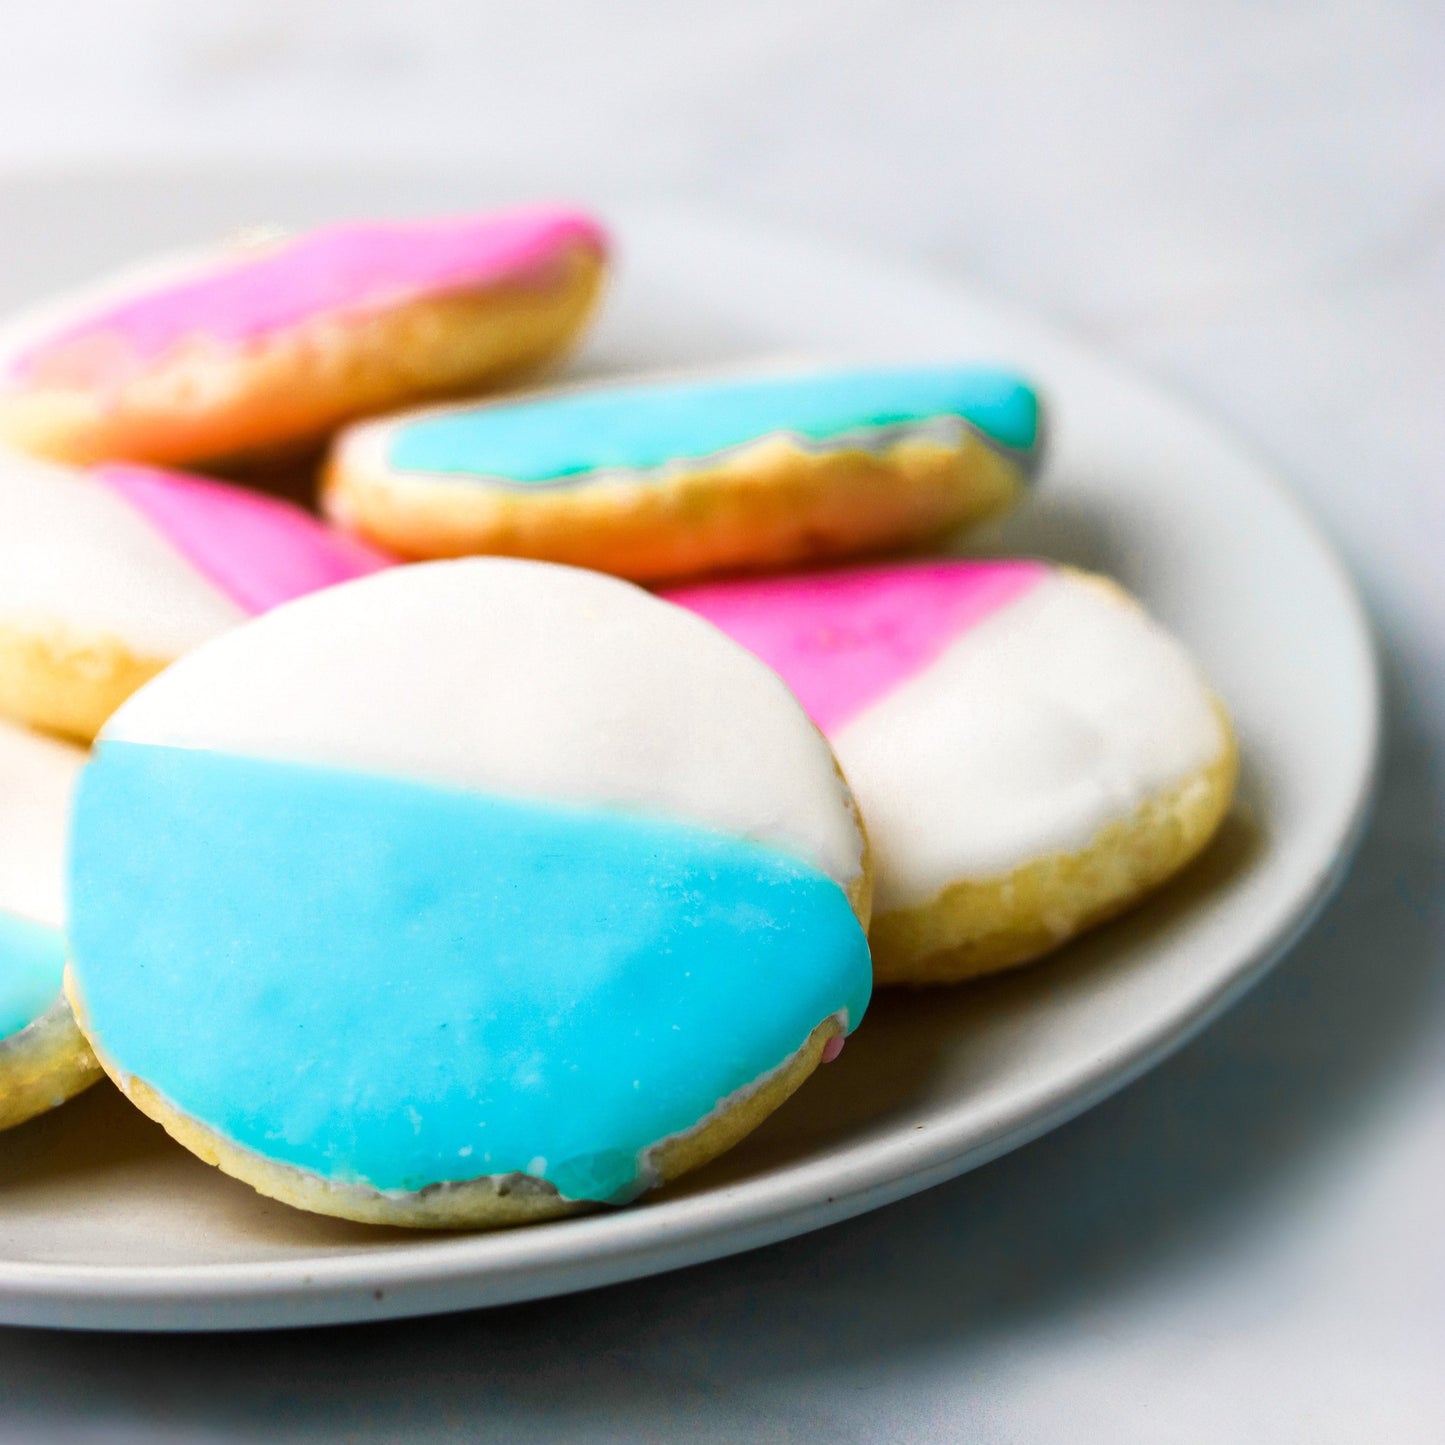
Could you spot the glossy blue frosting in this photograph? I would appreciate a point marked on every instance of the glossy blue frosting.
(32, 964)
(390, 982)
(643, 428)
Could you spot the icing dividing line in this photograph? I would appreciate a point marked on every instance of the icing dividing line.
(842, 640)
(259, 551)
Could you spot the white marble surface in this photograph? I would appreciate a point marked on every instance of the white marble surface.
(1250, 202)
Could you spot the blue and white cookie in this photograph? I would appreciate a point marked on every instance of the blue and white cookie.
(43, 1058)
(668, 481)
(465, 894)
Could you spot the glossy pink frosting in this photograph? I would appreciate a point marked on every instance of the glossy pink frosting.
(258, 550)
(842, 640)
(336, 269)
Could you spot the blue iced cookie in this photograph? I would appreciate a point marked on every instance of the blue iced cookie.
(464, 895)
(670, 480)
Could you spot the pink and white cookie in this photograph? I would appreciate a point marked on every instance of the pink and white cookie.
(107, 576)
(1030, 751)
(273, 342)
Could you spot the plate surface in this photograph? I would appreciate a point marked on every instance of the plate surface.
(105, 1223)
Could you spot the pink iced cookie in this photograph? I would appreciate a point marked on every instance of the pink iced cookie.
(107, 576)
(275, 343)
(1030, 751)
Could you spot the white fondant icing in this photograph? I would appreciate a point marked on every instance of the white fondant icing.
(522, 678)
(1036, 728)
(37, 775)
(74, 554)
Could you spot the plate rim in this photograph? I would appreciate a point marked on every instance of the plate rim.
(397, 1281)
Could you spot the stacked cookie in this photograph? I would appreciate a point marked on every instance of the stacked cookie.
(428, 870)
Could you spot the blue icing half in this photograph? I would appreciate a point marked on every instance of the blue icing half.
(32, 964)
(395, 983)
(642, 428)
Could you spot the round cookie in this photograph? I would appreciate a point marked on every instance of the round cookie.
(1030, 752)
(272, 342)
(43, 1058)
(108, 576)
(465, 894)
(670, 481)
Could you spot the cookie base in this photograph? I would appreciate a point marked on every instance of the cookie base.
(65, 681)
(983, 926)
(43, 1065)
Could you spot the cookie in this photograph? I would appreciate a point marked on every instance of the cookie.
(109, 575)
(1031, 753)
(669, 481)
(43, 1058)
(274, 342)
(466, 894)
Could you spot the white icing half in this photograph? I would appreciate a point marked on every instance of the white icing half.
(37, 776)
(74, 554)
(1053, 717)
(520, 678)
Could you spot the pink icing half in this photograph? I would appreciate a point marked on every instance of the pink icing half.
(842, 640)
(258, 550)
(833, 1048)
(339, 268)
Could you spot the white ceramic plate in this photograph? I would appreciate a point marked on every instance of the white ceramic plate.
(105, 1223)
